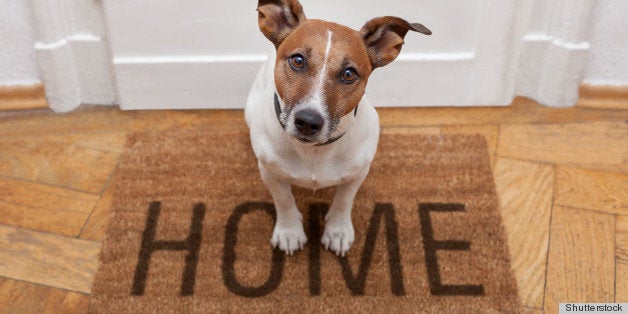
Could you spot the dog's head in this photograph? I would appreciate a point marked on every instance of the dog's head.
(322, 68)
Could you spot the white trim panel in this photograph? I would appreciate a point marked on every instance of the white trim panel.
(195, 82)
(191, 84)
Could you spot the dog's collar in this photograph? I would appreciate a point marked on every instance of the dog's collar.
(283, 126)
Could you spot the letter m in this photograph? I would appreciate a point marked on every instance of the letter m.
(357, 282)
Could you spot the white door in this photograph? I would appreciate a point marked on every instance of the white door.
(205, 54)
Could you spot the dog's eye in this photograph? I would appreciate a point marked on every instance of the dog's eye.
(349, 75)
(297, 62)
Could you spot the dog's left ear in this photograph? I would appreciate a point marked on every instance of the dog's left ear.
(383, 37)
(277, 18)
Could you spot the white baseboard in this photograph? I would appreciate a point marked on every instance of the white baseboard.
(180, 83)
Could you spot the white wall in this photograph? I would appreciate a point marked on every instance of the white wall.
(18, 64)
(608, 57)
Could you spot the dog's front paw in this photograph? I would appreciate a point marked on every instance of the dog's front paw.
(289, 239)
(338, 236)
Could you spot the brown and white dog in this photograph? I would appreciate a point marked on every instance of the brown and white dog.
(309, 121)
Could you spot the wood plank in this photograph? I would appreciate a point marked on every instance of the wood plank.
(621, 254)
(603, 96)
(22, 97)
(22, 297)
(76, 161)
(43, 207)
(621, 289)
(112, 142)
(104, 141)
(96, 226)
(525, 193)
(47, 259)
(532, 310)
(489, 131)
(109, 119)
(597, 145)
(581, 265)
(602, 191)
(428, 130)
(522, 110)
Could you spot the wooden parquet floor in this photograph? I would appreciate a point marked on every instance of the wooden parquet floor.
(561, 175)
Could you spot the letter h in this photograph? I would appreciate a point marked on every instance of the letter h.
(149, 246)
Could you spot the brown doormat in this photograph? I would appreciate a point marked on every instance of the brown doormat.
(191, 224)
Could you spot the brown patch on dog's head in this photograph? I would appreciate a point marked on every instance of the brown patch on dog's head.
(325, 65)
(346, 53)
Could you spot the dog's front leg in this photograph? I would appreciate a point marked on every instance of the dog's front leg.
(339, 235)
(288, 234)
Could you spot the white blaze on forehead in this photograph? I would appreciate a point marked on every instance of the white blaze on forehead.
(316, 98)
(321, 74)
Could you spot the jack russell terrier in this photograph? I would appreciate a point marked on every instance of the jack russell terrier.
(309, 121)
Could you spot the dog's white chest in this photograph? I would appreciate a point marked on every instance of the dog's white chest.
(317, 180)
(313, 171)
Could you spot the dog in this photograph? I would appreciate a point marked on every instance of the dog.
(309, 121)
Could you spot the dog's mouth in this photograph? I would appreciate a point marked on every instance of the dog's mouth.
(334, 132)
(303, 140)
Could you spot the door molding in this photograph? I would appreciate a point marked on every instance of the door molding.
(72, 53)
(554, 50)
(542, 56)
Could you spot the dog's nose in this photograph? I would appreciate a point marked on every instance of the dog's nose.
(308, 122)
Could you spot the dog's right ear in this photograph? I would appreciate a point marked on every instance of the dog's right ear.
(277, 18)
(383, 37)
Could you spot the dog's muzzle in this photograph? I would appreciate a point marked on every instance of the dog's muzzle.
(308, 123)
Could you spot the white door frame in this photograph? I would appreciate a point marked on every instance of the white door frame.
(553, 52)
(72, 53)
(542, 56)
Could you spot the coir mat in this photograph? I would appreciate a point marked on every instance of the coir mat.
(191, 222)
